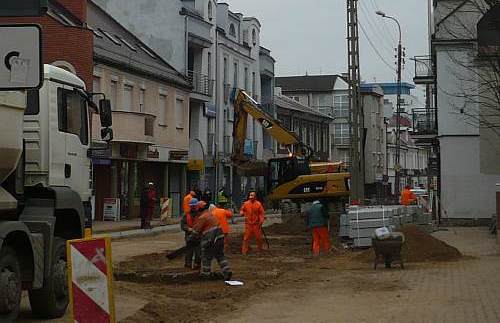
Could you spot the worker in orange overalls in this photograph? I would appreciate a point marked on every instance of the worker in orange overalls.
(407, 196)
(185, 202)
(253, 211)
(317, 222)
(222, 215)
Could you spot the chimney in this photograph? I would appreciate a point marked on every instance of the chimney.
(77, 7)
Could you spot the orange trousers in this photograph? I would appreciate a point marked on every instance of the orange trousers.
(321, 240)
(251, 230)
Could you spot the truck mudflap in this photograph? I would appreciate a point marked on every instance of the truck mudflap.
(35, 244)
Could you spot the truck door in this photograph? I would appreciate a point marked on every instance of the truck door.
(73, 123)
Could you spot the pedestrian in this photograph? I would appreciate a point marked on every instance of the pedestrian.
(185, 201)
(222, 215)
(253, 211)
(192, 259)
(207, 196)
(317, 221)
(222, 197)
(207, 229)
(148, 202)
(407, 196)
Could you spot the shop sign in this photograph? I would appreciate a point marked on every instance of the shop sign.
(153, 153)
(196, 165)
(181, 155)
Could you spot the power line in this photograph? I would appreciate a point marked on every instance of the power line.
(384, 23)
(386, 43)
(375, 48)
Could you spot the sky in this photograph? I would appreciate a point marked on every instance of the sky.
(310, 36)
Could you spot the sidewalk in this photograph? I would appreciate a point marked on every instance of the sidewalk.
(131, 228)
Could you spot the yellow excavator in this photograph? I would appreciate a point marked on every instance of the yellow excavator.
(293, 179)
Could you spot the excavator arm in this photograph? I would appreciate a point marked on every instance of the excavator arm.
(245, 105)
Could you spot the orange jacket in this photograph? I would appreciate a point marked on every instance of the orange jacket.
(204, 223)
(222, 215)
(407, 197)
(185, 203)
(253, 211)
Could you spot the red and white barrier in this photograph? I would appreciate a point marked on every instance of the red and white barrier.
(90, 280)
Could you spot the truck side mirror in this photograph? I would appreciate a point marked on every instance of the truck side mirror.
(105, 113)
(107, 134)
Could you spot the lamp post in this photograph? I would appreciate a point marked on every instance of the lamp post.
(397, 166)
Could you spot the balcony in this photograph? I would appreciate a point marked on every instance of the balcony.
(424, 71)
(201, 83)
(134, 127)
(424, 126)
(198, 29)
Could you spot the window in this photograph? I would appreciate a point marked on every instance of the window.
(111, 37)
(235, 76)
(341, 134)
(72, 114)
(254, 37)
(128, 95)
(147, 51)
(32, 102)
(254, 84)
(246, 78)
(210, 10)
(209, 72)
(129, 45)
(232, 30)
(142, 98)
(179, 113)
(162, 105)
(341, 106)
(113, 88)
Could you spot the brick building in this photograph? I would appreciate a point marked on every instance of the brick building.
(66, 42)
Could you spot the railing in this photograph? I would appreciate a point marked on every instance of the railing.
(424, 72)
(424, 121)
(201, 83)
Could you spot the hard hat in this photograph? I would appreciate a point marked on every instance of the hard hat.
(194, 202)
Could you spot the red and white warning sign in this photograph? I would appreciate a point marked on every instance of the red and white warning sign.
(90, 280)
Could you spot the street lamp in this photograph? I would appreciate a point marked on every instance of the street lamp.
(397, 167)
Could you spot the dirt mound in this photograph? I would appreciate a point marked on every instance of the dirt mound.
(419, 246)
(293, 225)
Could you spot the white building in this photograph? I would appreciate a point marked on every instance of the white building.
(469, 151)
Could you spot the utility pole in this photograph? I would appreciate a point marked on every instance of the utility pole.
(397, 166)
(356, 117)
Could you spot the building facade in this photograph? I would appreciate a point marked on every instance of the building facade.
(469, 149)
(328, 94)
(312, 126)
(150, 108)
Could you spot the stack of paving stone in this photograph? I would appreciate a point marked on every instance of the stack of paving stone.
(364, 220)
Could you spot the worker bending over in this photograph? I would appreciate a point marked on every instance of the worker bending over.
(253, 211)
(407, 196)
(207, 230)
(317, 219)
(222, 215)
(192, 259)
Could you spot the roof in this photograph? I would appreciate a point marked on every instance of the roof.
(392, 88)
(290, 104)
(115, 45)
(307, 83)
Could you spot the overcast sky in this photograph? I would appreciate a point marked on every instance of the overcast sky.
(311, 35)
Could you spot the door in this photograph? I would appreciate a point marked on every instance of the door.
(73, 123)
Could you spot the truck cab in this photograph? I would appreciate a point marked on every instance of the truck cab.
(45, 188)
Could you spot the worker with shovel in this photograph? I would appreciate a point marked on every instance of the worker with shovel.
(207, 230)
(187, 223)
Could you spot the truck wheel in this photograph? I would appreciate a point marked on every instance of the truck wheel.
(10, 285)
(52, 300)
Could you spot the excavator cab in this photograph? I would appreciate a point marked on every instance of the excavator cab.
(284, 170)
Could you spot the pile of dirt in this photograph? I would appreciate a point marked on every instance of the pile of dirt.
(293, 225)
(419, 246)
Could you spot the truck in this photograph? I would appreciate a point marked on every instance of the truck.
(294, 179)
(45, 192)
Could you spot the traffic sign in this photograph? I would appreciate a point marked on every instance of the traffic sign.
(90, 279)
(21, 65)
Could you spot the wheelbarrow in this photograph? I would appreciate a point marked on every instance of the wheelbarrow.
(388, 250)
